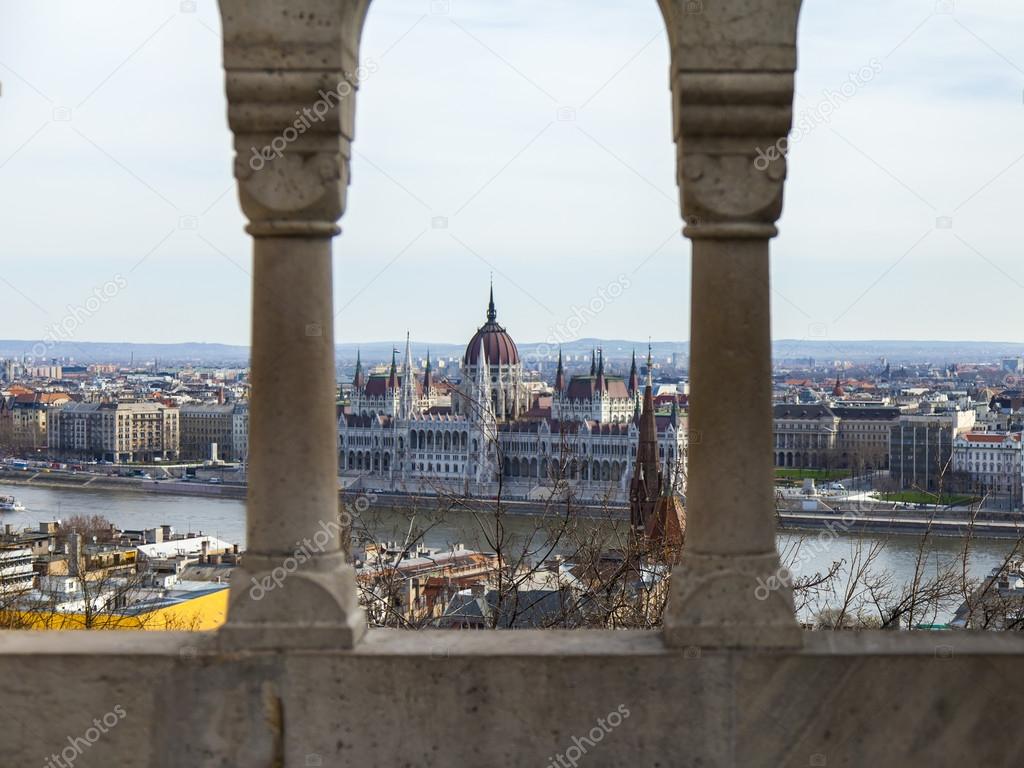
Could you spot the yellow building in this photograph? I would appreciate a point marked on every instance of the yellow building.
(188, 606)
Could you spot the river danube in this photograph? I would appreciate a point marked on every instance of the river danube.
(225, 519)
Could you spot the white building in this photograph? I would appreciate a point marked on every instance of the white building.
(991, 460)
(118, 432)
(398, 432)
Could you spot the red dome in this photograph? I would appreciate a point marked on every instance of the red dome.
(498, 345)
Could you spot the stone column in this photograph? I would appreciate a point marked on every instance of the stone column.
(291, 71)
(732, 92)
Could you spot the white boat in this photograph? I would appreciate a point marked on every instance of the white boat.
(11, 504)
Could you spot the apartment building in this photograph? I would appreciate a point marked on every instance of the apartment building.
(117, 432)
(206, 425)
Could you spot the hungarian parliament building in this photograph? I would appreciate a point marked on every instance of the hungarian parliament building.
(404, 431)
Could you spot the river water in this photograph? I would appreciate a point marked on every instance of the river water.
(225, 519)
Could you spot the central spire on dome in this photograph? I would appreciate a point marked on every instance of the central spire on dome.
(500, 349)
(492, 315)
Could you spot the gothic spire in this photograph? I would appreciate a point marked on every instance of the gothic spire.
(593, 362)
(357, 380)
(426, 377)
(492, 314)
(646, 483)
(634, 380)
(393, 373)
(559, 374)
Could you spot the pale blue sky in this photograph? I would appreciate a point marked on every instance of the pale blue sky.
(459, 120)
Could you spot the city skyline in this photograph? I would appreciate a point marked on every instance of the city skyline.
(564, 189)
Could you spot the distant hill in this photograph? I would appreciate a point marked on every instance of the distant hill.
(615, 350)
(123, 352)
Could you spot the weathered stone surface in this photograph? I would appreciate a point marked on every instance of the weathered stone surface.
(291, 76)
(732, 94)
(515, 699)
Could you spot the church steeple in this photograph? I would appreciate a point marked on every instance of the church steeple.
(645, 486)
(357, 380)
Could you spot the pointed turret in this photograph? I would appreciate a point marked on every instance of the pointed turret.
(600, 384)
(593, 362)
(492, 313)
(634, 379)
(559, 375)
(408, 381)
(426, 377)
(358, 382)
(483, 383)
(393, 373)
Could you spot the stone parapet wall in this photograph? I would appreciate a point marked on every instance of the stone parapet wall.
(516, 699)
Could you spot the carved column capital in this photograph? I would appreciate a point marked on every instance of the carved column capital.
(291, 74)
(732, 93)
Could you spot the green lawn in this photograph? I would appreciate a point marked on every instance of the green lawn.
(819, 475)
(919, 497)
